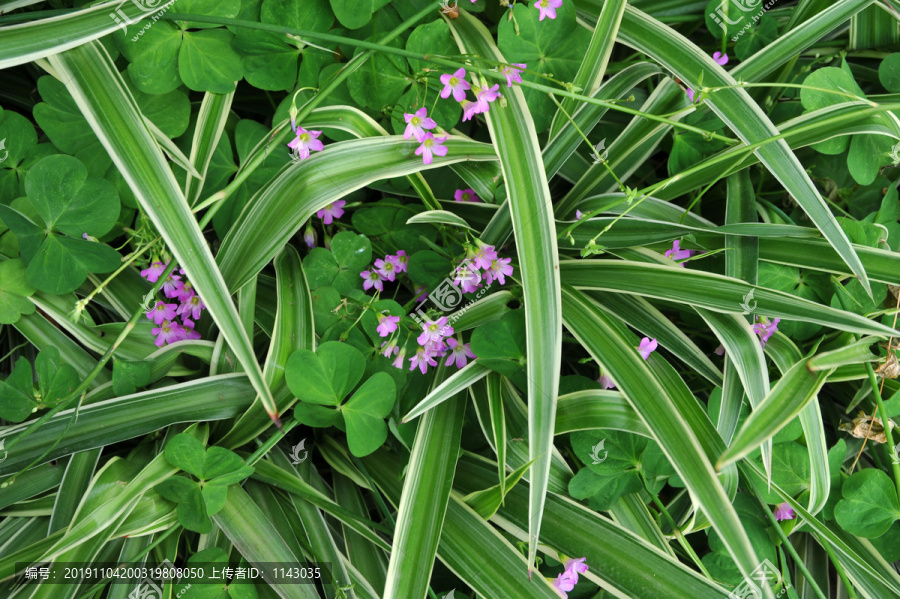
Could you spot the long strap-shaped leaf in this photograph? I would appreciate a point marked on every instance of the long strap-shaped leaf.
(113, 114)
(513, 133)
(655, 404)
(423, 502)
(279, 210)
(735, 107)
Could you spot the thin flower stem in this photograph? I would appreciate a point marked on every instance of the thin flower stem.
(682, 540)
(886, 423)
(795, 86)
(269, 443)
(380, 47)
(790, 549)
(128, 261)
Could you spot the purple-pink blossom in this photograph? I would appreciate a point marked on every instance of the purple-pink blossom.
(398, 361)
(161, 312)
(431, 146)
(188, 329)
(191, 308)
(676, 253)
(389, 348)
(765, 330)
(484, 95)
(172, 286)
(386, 324)
(513, 73)
(332, 211)
(459, 353)
(152, 273)
(465, 195)
(499, 270)
(435, 331)
(309, 236)
(455, 84)
(386, 268)
(304, 142)
(401, 260)
(186, 292)
(468, 279)
(371, 278)
(566, 581)
(417, 123)
(482, 254)
(606, 382)
(647, 347)
(168, 332)
(422, 360)
(720, 58)
(690, 94)
(784, 511)
(421, 289)
(547, 8)
(578, 214)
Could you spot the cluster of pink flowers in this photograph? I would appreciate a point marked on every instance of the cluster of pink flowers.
(384, 270)
(418, 124)
(481, 264)
(566, 581)
(457, 85)
(434, 342)
(647, 347)
(164, 315)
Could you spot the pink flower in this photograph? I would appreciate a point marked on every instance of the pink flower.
(765, 330)
(398, 361)
(459, 353)
(372, 279)
(390, 350)
(676, 253)
(423, 290)
(483, 255)
(465, 195)
(189, 331)
(483, 96)
(690, 94)
(435, 330)
(513, 74)
(431, 146)
(152, 273)
(577, 565)
(309, 235)
(647, 347)
(386, 269)
(304, 142)
(168, 332)
(566, 581)
(721, 59)
(547, 8)
(455, 84)
(720, 351)
(162, 311)
(172, 286)
(332, 211)
(606, 382)
(499, 270)
(784, 511)
(467, 278)
(386, 324)
(186, 292)
(422, 360)
(417, 123)
(401, 260)
(578, 214)
(191, 308)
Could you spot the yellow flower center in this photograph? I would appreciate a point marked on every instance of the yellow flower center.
(454, 81)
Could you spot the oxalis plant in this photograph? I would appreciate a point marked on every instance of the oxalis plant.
(406, 299)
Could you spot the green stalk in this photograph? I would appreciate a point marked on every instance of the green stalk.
(886, 423)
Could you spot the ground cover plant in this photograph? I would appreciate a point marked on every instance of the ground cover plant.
(405, 299)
